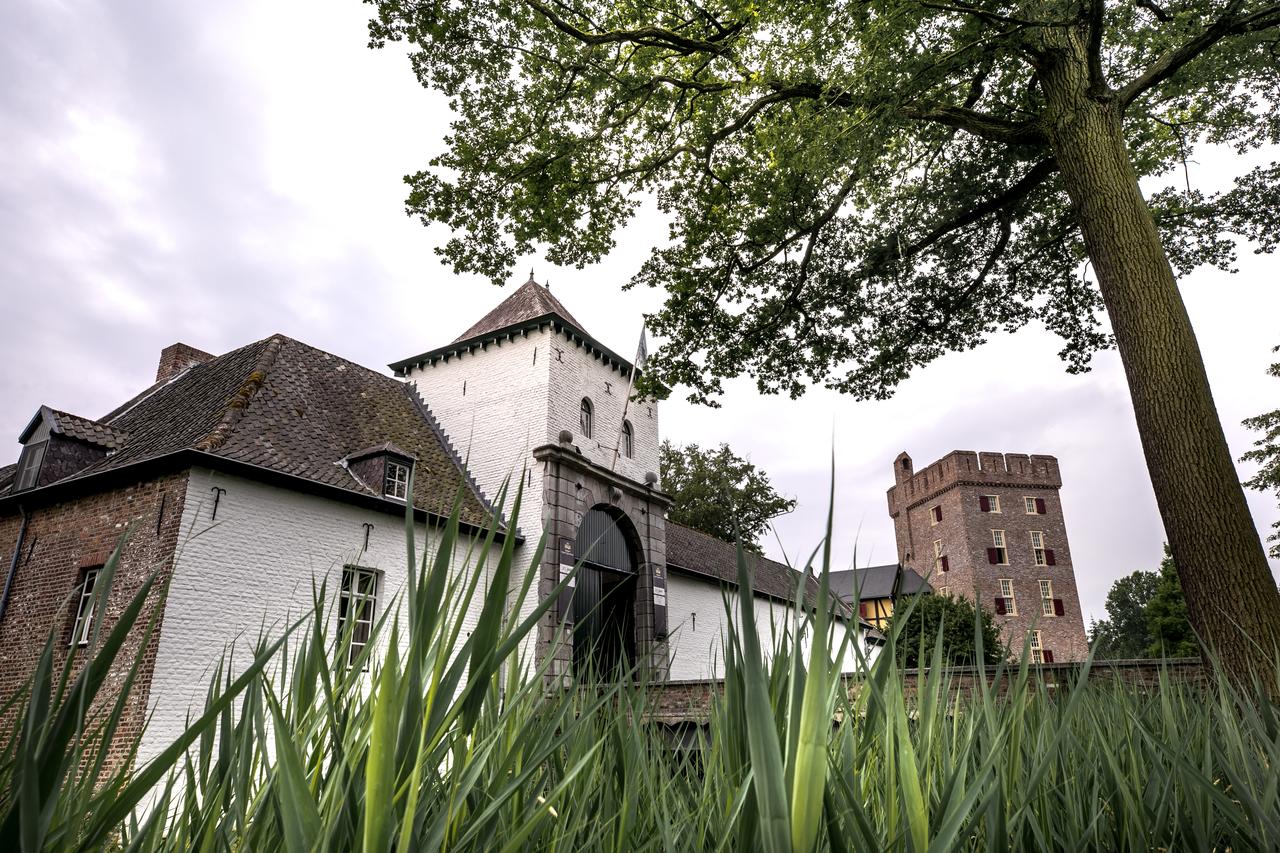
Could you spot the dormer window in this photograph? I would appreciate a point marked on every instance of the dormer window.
(585, 418)
(396, 484)
(382, 470)
(29, 466)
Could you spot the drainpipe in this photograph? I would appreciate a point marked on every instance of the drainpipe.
(13, 564)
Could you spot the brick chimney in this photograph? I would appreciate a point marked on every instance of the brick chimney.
(176, 358)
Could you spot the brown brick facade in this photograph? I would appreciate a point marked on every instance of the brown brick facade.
(64, 539)
(954, 487)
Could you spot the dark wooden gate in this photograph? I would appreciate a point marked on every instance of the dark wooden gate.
(604, 601)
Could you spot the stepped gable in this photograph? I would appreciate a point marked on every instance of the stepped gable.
(530, 301)
(702, 554)
(292, 409)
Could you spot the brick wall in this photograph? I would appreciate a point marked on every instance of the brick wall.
(955, 485)
(690, 701)
(61, 542)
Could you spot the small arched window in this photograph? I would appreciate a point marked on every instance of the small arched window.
(628, 440)
(585, 418)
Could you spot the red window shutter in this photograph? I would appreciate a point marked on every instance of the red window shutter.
(946, 567)
(1040, 509)
(862, 609)
(937, 513)
(999, 605)
(1048, 656)
(1057, 607)
(1049, 558)
(984, 503)
(993, 556)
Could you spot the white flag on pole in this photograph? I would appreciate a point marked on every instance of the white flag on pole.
(642, 351)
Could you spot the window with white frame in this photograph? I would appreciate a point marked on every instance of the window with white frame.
(999, 553)
(397, 482)
(628, 440)
(1037, 547)
(938, 565)
(1006, 592)
(83, 626)
(944, 590)
(586, 418)
(1037, 650)
(1046, 597)
(357, 608)
(1030, 504)
(989, 503)
(935, 514)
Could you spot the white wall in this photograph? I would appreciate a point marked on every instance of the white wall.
(252, 569)
(575, 374)
(696, 643)
(492, 403)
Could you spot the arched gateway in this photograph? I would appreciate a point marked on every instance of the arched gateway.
(604, 602)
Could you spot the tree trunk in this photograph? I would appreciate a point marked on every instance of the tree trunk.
(1231, 596)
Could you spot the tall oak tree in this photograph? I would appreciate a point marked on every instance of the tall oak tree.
(856, 187)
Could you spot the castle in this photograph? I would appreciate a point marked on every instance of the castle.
(245, 478)
(989, 527)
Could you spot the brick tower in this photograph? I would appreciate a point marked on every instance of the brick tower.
(989, 527)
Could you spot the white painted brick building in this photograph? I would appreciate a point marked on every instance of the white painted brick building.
(281, 467)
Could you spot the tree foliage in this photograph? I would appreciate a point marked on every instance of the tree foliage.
(854, 188)
(1146, 617)
(1123, 634)
(952, 620)
(720, 493)
(1168, 625)
(1266, 452)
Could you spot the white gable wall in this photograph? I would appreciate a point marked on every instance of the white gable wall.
(251, 571)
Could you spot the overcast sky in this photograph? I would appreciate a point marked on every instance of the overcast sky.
(214, 173)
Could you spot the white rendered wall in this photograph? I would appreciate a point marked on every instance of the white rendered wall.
(576, 374)
(696, 643)
(252, 570)
(492, 403)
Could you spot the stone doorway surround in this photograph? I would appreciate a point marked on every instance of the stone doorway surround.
(571, 486)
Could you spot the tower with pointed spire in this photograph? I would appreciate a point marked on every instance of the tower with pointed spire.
(526, 392)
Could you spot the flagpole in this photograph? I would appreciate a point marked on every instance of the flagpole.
(641, 353)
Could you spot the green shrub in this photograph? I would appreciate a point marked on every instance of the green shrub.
(443, 744)
(955, 623)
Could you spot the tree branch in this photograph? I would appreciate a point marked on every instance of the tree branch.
(1095, 11)
(648, 36)
(1172, 61)
(1015, 193)
(987, 127)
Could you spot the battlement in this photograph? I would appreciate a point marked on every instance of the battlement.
(968, 467)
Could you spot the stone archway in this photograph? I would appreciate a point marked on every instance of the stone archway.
(604, 602)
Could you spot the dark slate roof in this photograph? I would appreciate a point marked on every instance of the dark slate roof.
(530, 308)
(94, 432)
(530, 301)
(73, 426)
(877, 582)
(292, 409)
(6, 476)
(702, 554)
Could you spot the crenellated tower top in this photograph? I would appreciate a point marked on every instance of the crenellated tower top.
(965, 467)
